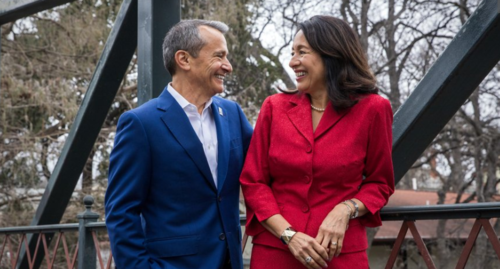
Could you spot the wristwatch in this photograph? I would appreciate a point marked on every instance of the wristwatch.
(356, 209)
(287, 235)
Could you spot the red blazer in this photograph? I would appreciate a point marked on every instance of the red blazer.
(303, 175)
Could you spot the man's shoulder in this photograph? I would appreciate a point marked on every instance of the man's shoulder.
(225, 103)
(144, 111)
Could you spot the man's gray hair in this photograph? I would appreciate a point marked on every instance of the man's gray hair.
(186, 36)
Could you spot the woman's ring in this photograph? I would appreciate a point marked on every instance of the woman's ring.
(334, 243)
(308, 259)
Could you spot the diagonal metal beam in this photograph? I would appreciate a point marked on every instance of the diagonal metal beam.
(0, 62)
(156, 17)
(11, 10)
(111, 68)
(456, 74)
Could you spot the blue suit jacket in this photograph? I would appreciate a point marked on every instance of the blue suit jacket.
(162, 207)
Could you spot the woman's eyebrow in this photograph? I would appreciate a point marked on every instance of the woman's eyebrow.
(301, 47)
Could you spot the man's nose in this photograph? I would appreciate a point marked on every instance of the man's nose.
(227, 67)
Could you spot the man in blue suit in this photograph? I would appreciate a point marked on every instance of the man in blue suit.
(173, 190)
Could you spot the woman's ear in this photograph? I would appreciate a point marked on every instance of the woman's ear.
(182, 58)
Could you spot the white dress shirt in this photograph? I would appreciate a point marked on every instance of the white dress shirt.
(204, 127)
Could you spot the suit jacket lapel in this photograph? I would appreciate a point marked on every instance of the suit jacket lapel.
(329, 119)
(178, 123)
(221, 122)
(300, 116)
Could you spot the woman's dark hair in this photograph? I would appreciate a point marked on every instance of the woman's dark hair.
(348, 74)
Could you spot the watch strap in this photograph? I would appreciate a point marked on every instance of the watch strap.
(356, 209)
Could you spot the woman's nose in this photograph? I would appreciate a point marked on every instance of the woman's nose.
(293, 62)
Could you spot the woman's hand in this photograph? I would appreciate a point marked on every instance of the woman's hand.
(302, 246)
(332, 230)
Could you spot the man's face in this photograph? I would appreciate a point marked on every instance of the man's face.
(211, 65)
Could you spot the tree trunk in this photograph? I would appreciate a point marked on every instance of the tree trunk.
(87, 179)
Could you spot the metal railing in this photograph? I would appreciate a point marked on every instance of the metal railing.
(84, 254)
(87, 252)
(481, 212)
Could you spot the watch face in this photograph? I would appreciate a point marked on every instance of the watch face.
(287, 236)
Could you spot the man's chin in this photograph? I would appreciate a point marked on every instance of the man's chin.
(218, 91)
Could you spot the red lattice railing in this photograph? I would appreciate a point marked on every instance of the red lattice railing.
(16, 251)
(481, 212)
(15, 238)
(99, 253)
(50, 256)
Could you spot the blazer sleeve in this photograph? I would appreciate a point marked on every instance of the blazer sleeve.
(129, 175)
(378, 184)
(255, 178)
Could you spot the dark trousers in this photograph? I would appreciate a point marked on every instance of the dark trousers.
(227, 262)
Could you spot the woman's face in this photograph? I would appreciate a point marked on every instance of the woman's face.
(308, 66)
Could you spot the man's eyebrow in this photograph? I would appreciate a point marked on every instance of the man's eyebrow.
(220, 52)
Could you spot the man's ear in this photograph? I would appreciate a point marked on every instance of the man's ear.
(182, 58)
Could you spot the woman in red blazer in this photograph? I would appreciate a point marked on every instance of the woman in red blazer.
(319, 165)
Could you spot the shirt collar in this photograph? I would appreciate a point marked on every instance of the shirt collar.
(182, 101)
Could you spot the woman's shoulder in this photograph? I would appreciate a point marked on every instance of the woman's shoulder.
(373, 101)
(281, 99)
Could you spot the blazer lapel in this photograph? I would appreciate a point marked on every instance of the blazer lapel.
(178, 123)
(300, 116)
(221, 122)
(329, 119)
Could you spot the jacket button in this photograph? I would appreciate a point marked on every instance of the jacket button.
(222, 236)
(219, 198)
(307, 179)
(305, 209)
(308, 149)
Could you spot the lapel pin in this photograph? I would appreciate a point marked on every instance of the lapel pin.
(220, 112)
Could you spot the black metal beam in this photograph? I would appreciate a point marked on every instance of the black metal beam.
(456, 74)
(108, 75)
(11, 10)
(52, 228)
(0, 63)
(435, 212)
(156, 17)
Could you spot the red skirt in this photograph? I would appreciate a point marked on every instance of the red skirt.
(266, 257)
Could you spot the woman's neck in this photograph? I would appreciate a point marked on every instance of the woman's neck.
(319, 99)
